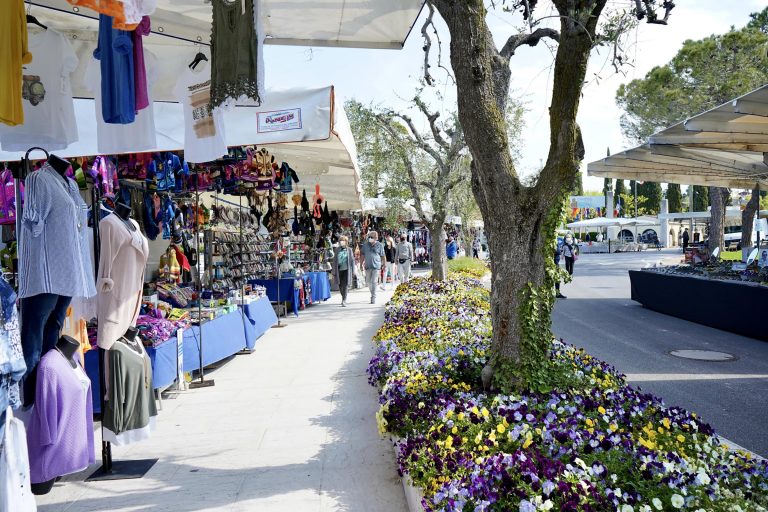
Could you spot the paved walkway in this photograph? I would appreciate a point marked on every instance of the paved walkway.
(289, 427)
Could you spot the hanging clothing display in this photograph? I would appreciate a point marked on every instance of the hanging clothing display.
(141, 134)
(15, 488)
(14, 53)
(234, 56)
(130, 412)
(204, 139)
(115, 55)
(12, 366)
(53, 252)
(127, 14)
(60, 429)
(122, 262)
(139, 66)
(49, 112)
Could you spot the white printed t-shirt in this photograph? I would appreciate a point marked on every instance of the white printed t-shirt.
(204, 139)
(125, 138)
(49, 112)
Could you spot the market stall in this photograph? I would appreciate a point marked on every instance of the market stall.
(723, 147)
(143, 186)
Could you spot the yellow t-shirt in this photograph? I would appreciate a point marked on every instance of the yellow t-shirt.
(14, 53)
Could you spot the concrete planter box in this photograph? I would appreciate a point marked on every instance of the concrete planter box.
(413, 494)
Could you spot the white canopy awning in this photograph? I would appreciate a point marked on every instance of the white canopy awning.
(723, 147)
(383, 24)
(182, 27)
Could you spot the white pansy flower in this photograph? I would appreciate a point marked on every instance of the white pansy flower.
(627, 508)
(547, 505)
(657, 503)
(677, 501)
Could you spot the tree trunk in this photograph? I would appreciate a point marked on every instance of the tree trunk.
(748, 221)
(439, 259)
(718, 196)
(520, 220)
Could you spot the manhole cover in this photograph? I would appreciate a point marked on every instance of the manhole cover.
(703, 355)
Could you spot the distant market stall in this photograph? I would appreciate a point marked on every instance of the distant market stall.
(723, 147)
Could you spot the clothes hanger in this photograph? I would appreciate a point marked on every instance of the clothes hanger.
(198, 58)
(32, 20)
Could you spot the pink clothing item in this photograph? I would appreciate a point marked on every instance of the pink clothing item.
(139, 68)
(60, 429)
(123, 259)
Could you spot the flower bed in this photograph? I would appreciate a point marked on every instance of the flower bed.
(591, 443)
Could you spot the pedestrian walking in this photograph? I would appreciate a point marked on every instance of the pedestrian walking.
(405, 257)
(390, 254)
(476, 248)
(570, 253)
(373, 252)
(558, 252)
(686, 239)
(450, 248)
(344, 268)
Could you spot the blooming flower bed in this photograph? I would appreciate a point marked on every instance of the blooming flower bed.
(592, 443)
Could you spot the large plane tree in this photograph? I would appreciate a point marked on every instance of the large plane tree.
(521, 216)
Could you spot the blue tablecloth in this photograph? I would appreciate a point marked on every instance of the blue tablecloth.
(288, 292)
(321, 285)
(259, 318)
(222, 337)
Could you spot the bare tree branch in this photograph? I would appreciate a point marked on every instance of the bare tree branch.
(420, 142)
(432, 117)
(530, 39)
(427, 43)
(646, 9)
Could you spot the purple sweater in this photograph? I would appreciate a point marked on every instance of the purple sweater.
(60, 430)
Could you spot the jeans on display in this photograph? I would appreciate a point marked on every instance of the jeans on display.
(404, 271)
(569, 264)
(372, 278)
(42, 317)
(343, 284)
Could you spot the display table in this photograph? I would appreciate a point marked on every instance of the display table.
(259, 318)
(223, 337)
(320, 285)
(728, 305)
(288, 292)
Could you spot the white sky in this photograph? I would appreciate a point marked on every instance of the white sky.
(390, 77)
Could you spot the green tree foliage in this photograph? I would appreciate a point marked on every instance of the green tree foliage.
(628, 205)
(700, 198)
(675, 198)
(653, 195)
(759, 21)
(618, 191)
(381, 172)
(703, 74)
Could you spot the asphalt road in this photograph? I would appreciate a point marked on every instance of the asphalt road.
(599, 316)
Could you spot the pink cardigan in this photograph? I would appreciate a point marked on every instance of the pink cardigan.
(122, 263)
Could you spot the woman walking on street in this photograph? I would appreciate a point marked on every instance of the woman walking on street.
(569, 252)
(344, 268)
(390, 254)
(405, 257)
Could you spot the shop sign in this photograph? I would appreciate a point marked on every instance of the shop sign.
(279, 120)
